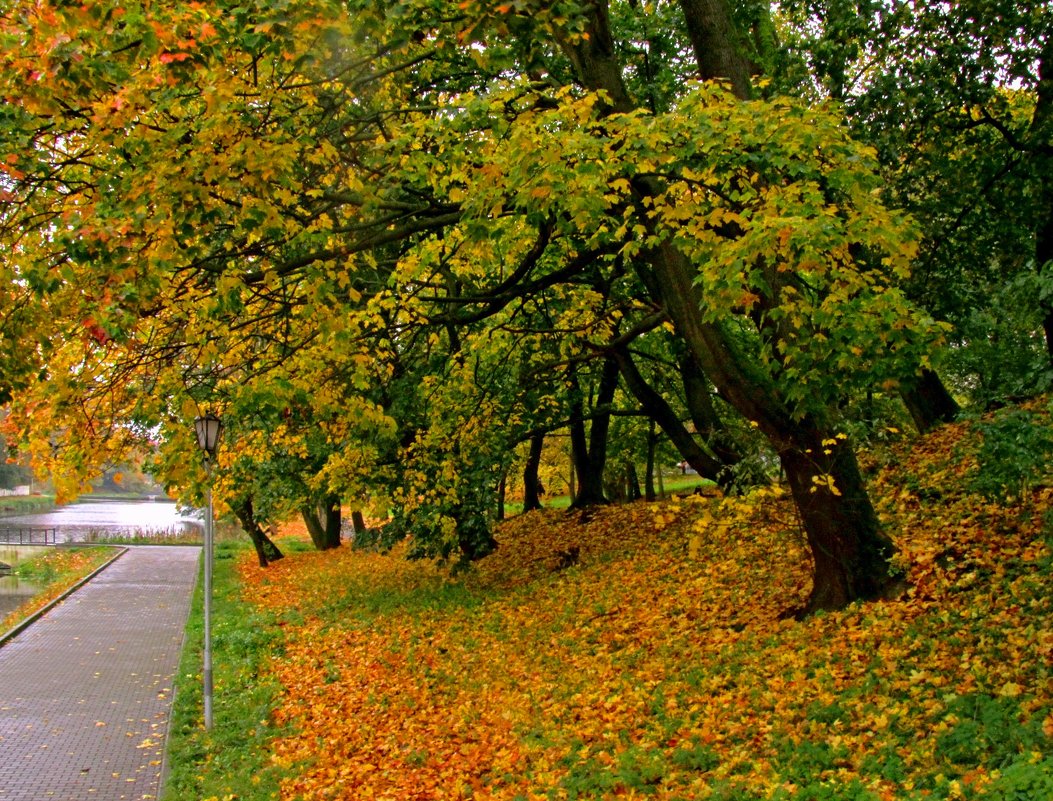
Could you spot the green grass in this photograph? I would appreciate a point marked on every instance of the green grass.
(52, 571)
(231, 760)
(25, 504)
(145, 537)
(51, 565)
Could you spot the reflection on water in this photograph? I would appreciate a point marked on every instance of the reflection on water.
(82, 521)
(124, 518)
(13, 592)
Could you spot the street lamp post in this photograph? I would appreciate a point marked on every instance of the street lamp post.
(207, 429)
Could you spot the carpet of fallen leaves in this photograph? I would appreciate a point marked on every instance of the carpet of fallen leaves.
(644, 652)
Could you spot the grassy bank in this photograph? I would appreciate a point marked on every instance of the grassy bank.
(659, 665)
(53, 571)
(11, 505)
(677, 484)
(232, 760)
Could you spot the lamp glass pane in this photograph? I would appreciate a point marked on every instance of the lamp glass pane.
(207, 429)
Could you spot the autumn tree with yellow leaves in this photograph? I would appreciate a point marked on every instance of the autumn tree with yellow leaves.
(416, 235)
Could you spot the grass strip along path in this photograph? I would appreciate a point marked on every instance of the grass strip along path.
(54, 571)
(659, 665)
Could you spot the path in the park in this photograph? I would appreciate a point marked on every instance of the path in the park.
(86, 690)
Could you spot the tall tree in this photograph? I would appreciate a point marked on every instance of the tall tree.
(849, 550)
(402, 199)
(950, 94)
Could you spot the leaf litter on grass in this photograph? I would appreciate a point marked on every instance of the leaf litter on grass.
(659, 662)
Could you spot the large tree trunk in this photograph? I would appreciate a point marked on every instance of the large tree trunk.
(590, 453)
(531, 483)
(1042, 141)
(850, 551)
(266, 550)
(929, 402)
(652, 445)
(716, 44)
(323, 523)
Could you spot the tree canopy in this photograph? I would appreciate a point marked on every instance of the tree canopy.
(389, 243)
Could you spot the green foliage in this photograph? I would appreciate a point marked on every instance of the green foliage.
(998, 353)
(783, 221)
(599, 775)
(695, 756)
(231, 759)
(948, 94)
(808, 760)
(1014, 453)
(886, 762)
(987, 730)
(811, 789)
(1026, 779)
(451, 521)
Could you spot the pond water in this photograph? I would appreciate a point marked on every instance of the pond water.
(81, 521)
(13, 593)
(78, 521)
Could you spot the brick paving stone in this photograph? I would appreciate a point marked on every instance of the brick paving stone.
(86, 690)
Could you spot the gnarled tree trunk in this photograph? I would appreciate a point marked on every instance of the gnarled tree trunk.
(851, 554)
(849, 551)
(266, 550)
(531, 483)
(323, 522)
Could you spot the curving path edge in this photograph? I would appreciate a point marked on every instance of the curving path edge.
(86, 691)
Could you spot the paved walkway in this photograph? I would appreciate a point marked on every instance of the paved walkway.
(86, 690)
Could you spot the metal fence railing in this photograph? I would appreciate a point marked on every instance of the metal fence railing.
(28, 536)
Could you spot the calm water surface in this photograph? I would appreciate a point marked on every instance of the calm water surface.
(81, 521)
(12, 591)
(77, 521)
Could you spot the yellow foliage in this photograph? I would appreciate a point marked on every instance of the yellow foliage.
(585, 641)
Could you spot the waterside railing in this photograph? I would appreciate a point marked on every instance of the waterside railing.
(28, 536)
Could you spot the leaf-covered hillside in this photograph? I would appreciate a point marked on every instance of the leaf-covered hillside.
(651, 652)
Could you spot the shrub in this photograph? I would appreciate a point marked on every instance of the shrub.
(1015, 452)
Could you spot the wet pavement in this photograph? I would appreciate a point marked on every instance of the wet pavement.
(86, 690)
